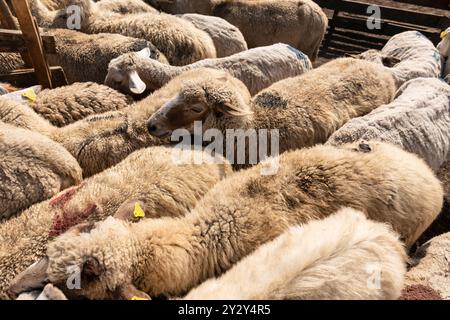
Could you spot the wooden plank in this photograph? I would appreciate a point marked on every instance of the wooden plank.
(27, 77)
(343, 38)
(9, 22)
(439, 4)
(388, 13)
(33, 42)
(12, 41)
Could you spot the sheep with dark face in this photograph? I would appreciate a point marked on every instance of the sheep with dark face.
(257, 68)
(176, 38)
(33, 168)
(305, 109)
(307, 263)
(98, 141)
(152, 177)
(242, 212)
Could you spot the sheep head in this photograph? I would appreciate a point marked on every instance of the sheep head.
(444, 45)
(378, 57)
(218, 100)
(122, 71)
(90, 260)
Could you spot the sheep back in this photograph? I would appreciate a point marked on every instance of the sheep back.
(418, 120)
(33, 169)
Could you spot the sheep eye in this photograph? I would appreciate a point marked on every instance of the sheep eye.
(197, 109)
(218, 114)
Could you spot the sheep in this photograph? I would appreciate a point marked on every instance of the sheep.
(98, 141)
(306, 263)
(430, 267)
(258, 68)
(93, 52)
(67, 104)
(227, 38)
(444, 50)
(305, 109)
(10, 62)
(300, 23)
(151, 176)
(33, 168)
(417, 120)
(407, 55)
(22, 116)
(240, 213)
(176, 38)
(125, 6)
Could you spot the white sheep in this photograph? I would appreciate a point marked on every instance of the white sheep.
(176, 38)
(333, 258)
(33, 168)
(305, 109)
(227, 38)
(68, 104)
(418, 120)
(444, 50)
(257, 68)
(152, 177)
(299, 23)
(408, 55)
(239, 214)
(93, 52)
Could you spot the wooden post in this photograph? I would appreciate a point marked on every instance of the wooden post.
(33, 42)
(9, 22)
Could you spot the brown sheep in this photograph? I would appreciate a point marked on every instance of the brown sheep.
(33, 168)
(151, 176)
(244, 211)
(305, 109)
(299, 23)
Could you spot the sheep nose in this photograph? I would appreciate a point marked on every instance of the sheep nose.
(152, 127)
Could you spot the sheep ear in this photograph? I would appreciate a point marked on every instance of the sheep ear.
(390, 61)
(144, 53)
(91, 267)
(136, 85)
(34, 277)
(130, 210)
(130, 292)
(230, 109)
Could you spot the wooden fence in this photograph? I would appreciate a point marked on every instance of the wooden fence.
(348, 30)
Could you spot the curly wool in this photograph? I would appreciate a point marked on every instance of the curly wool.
(176, 38)
(33, 168)
(93, 52)
(10, 62)
(152, 175)
(299, 23)
(257, 68)
(246, 210)
(306, 263)
(68, 104)
(418, 120)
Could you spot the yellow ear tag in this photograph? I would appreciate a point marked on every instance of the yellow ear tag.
(137, 298)
(30, 95)
(444, 34)
(138, 212)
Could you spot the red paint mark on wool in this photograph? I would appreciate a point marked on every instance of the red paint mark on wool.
(66, 220)
(61, 199)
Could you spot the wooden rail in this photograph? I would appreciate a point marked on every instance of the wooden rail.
(32, 46)
(348, 31)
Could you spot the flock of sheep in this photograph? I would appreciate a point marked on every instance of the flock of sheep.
(90, 188)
